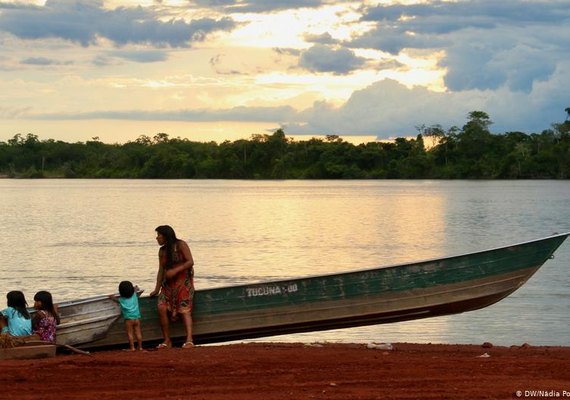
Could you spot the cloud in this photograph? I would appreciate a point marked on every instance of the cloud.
(215, 3)
(287, 52)
(389, 109)
(394, 39)
(10, 6)
(323, 38)
(320, 58)
(487, 43)
(148, 56)
(137, 56)
(252, 114)
(42, 61)
(85, 21)
(454, 16)
(507, 58)
(265, 6)
(471, 67)
(384, 109)
(479, 67)
(11, 112)
(217, 63)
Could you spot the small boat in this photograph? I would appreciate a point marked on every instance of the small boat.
(395, 293)
(86, 320)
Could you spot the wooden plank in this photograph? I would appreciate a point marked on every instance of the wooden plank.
(28, 352)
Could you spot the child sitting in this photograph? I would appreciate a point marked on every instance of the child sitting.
(46, 318)
(129, 302)
(16, 318)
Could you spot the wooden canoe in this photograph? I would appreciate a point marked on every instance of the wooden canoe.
(86, 320)
(374, 296)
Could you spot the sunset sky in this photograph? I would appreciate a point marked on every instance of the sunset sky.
(221, 70)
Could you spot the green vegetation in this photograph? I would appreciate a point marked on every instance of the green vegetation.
(471, 152)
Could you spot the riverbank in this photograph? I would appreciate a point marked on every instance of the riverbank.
(296, 371)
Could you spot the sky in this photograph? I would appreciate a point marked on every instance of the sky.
(215, 70)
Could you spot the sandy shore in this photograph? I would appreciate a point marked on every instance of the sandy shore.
(296, 371)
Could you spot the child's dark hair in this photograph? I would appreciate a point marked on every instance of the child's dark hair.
(46, 300)
(17, 300)
(126, 289)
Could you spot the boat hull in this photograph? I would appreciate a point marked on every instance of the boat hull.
(382, 295)
(85, 321)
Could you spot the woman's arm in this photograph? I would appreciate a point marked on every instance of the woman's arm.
(188, 264)
(159, 277)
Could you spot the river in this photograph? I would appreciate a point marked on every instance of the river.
(79, 238)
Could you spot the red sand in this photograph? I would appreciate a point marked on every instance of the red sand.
(295, 371)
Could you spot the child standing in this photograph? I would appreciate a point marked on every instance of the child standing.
(129, 302)
(16, 319)
(46, 318)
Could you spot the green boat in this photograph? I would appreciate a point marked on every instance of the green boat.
(395, 293)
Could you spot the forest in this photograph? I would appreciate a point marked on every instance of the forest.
(469, 152)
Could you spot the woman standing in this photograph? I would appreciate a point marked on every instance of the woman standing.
(174, 283)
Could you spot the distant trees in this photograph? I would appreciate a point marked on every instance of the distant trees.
(469, 152)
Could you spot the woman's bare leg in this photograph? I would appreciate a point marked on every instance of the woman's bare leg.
(163, 316)
(187, 318)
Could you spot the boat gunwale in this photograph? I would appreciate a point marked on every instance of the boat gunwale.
(68, 303)
(392, 266)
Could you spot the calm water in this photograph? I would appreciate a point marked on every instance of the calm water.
(79, 238)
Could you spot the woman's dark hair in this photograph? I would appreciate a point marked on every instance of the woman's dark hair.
(171, 239)
(126, 289)
(17, 300)
(46, 300)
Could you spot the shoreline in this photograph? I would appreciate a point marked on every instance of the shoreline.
(277, 370)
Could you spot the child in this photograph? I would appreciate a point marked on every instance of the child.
(129, 302)
(46, 318)
(16, 318)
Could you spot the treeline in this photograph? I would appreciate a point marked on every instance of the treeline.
(470, 152)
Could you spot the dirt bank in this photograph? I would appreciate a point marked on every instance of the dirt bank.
(267, 371)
